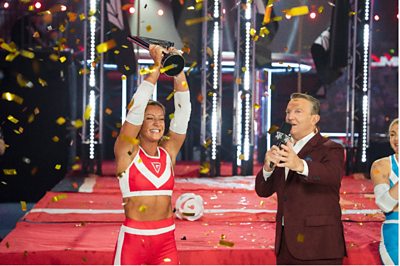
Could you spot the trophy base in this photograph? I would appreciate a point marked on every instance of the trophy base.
(174, 64)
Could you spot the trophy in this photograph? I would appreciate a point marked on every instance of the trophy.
(173, 62)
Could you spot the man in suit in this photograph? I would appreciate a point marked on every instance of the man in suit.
(306, 175)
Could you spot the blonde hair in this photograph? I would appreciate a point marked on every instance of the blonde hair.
(394, 122)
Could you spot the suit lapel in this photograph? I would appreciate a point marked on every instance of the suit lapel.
(307, 149)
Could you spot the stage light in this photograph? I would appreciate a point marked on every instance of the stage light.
(131, 10)
(287, 16)
(365, 82)
(313, 15)
(160, 12)
(6, 4)
(124, 98)
(92, 104)
(216, 81)
(38, 5)
(376, 17)
(63, 8)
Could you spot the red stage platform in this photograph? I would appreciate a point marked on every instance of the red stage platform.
(78, 222)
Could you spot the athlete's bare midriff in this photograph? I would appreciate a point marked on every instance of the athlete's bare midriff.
(148, 208)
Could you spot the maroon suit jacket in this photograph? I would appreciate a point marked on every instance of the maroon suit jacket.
(309, 204)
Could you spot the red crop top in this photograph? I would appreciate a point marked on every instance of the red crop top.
(148, 175)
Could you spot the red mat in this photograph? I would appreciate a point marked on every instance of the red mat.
(93, 243)
(81, 227)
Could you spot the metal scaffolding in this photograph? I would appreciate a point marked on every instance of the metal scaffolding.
(211, 89)
(93, 86)
(243, 133)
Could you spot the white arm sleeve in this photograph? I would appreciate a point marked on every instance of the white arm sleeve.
(140, 99)
(383, 199)
(183, 108)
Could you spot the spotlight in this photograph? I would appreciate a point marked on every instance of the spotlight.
(313, 15)
(287, 16)
(132, 10)
(6, 4)
(376, 17)
(38, 5)
(160, 12)
(63, 8)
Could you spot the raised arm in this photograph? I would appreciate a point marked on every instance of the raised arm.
(179, 123)
(126, 146)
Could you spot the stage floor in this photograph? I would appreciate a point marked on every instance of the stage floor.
(78, 222)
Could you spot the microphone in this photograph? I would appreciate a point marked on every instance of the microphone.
(282, 137)
(174, 62)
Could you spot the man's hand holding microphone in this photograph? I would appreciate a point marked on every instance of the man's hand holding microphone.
(282, 154)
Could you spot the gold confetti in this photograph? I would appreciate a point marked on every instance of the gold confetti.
(209, 51)
(256, 106)
(169, 97)
(76, 167)
(226, 243)
(238, 81)
(88, 112)
(11, 57)
(142, 208)
(62, 59)
(72, 16)
(171, 116)
(279, 18)
(190, 22)
(244, 69)
(7, 245)
(166, 68)
(75, 185)
(12, 119)
(23, 82)
(78, 123)
(262, 203)
(267, 13)
(55, 139)
(58, 197)
(12, 48)
(23, 206)
(252, 32)
(61, 28)
(57, 166)
(27, 54)
(320, 9)
(61, 120)
(106, 46)
(167, 260)
(264, 31)
(148, 28)
(191, 68)
(241, 157)
(108, 111)
(53, 57)
(131, 140)
(300, 238)
(10, 171)
(42, 82)
(207, 143)
(297, 11)
(273, 129)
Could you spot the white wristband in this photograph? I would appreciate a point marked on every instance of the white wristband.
(183, 108)
(383, 199)
(140, 100)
